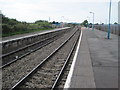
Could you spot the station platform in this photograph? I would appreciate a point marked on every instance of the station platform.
(19, 36)
(95, 64)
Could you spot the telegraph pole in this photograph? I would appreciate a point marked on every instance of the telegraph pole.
(93, 21)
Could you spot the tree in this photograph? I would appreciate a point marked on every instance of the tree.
(5, 20)
(53, 22)
(90, 25)
(13, 22)
(39, 21)
(85, 23)
(6, 29)
(115, 23)
(102, 23)
(11, 26)
(96, 24)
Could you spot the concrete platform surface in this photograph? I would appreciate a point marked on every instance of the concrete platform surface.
(96, 65)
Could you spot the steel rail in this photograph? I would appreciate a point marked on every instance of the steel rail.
(40, 64)
(65, 64)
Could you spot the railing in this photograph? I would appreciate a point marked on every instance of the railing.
(115, 28)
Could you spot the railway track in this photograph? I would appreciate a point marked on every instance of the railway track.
(48, 71)
(15, 55)
(62, 79)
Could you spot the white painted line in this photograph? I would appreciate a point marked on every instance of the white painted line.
(34, 35)
(68, 81)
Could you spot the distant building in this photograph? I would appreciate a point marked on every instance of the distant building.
(119, 12)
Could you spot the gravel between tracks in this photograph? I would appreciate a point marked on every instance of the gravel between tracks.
(13, 73)
(62, 80)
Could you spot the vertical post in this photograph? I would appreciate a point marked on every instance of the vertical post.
(88, 22)
(109, 20)
(0, 49)
(118, 18)
(93, 23)
(62, 21)
(49, 19)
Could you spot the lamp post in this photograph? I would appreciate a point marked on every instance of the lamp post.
(119, 13)
(62, 18)
(49, 19)
(109, 20)
(62, 24)
(93, 21)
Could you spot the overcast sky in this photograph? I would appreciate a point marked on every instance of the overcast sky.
(59, 10)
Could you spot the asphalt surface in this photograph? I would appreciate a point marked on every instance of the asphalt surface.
(104, 56)
(97, 61)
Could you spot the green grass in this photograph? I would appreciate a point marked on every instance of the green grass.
(23, 32)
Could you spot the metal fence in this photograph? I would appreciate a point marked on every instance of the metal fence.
(115, 28)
